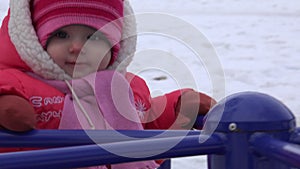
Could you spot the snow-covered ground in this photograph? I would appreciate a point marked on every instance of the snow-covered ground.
(257, 45)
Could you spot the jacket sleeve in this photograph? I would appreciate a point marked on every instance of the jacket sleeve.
(11, 85)
(175, 110)
(163, 114)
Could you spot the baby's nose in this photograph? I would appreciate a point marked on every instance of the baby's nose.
(77, 45)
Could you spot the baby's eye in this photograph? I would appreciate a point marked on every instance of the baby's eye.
(60, 34)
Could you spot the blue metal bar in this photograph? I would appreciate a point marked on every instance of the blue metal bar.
(63, 138)
(199, 122)
(273, 148)
(112, 153)
(295, 137)
(165, 165)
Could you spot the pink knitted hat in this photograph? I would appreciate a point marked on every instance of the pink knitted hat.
(103, 15)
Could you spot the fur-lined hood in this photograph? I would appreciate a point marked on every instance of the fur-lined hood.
(30, 55)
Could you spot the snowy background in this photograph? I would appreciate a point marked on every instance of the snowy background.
(257, 44)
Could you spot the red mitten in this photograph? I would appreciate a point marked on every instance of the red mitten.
(190, 105)
(16, 113)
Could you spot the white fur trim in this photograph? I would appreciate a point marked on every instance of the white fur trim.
(129, 38)
(24, 37)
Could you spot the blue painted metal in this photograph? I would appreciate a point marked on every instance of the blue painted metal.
(238, 117)
(295, 136)
(165, 165)
(62, 138)
(90, 155)
(199, 123)
(251, 111)
(276, 149)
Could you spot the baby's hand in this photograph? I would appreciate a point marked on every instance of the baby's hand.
(192, 104)
(16, 113)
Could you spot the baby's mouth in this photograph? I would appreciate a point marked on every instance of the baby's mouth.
(79, 66)
(74, 63)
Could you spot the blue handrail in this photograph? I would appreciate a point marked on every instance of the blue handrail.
(276, 149)
(117, 152)
(295, 136)
(62, 138)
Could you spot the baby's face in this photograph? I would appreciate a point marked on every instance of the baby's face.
(79, 50)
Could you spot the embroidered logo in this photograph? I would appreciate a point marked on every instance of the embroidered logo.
(53, 100)
(141, 109)
(38, 101)
(46, 116)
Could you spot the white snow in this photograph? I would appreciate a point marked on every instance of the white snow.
(257, 45)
